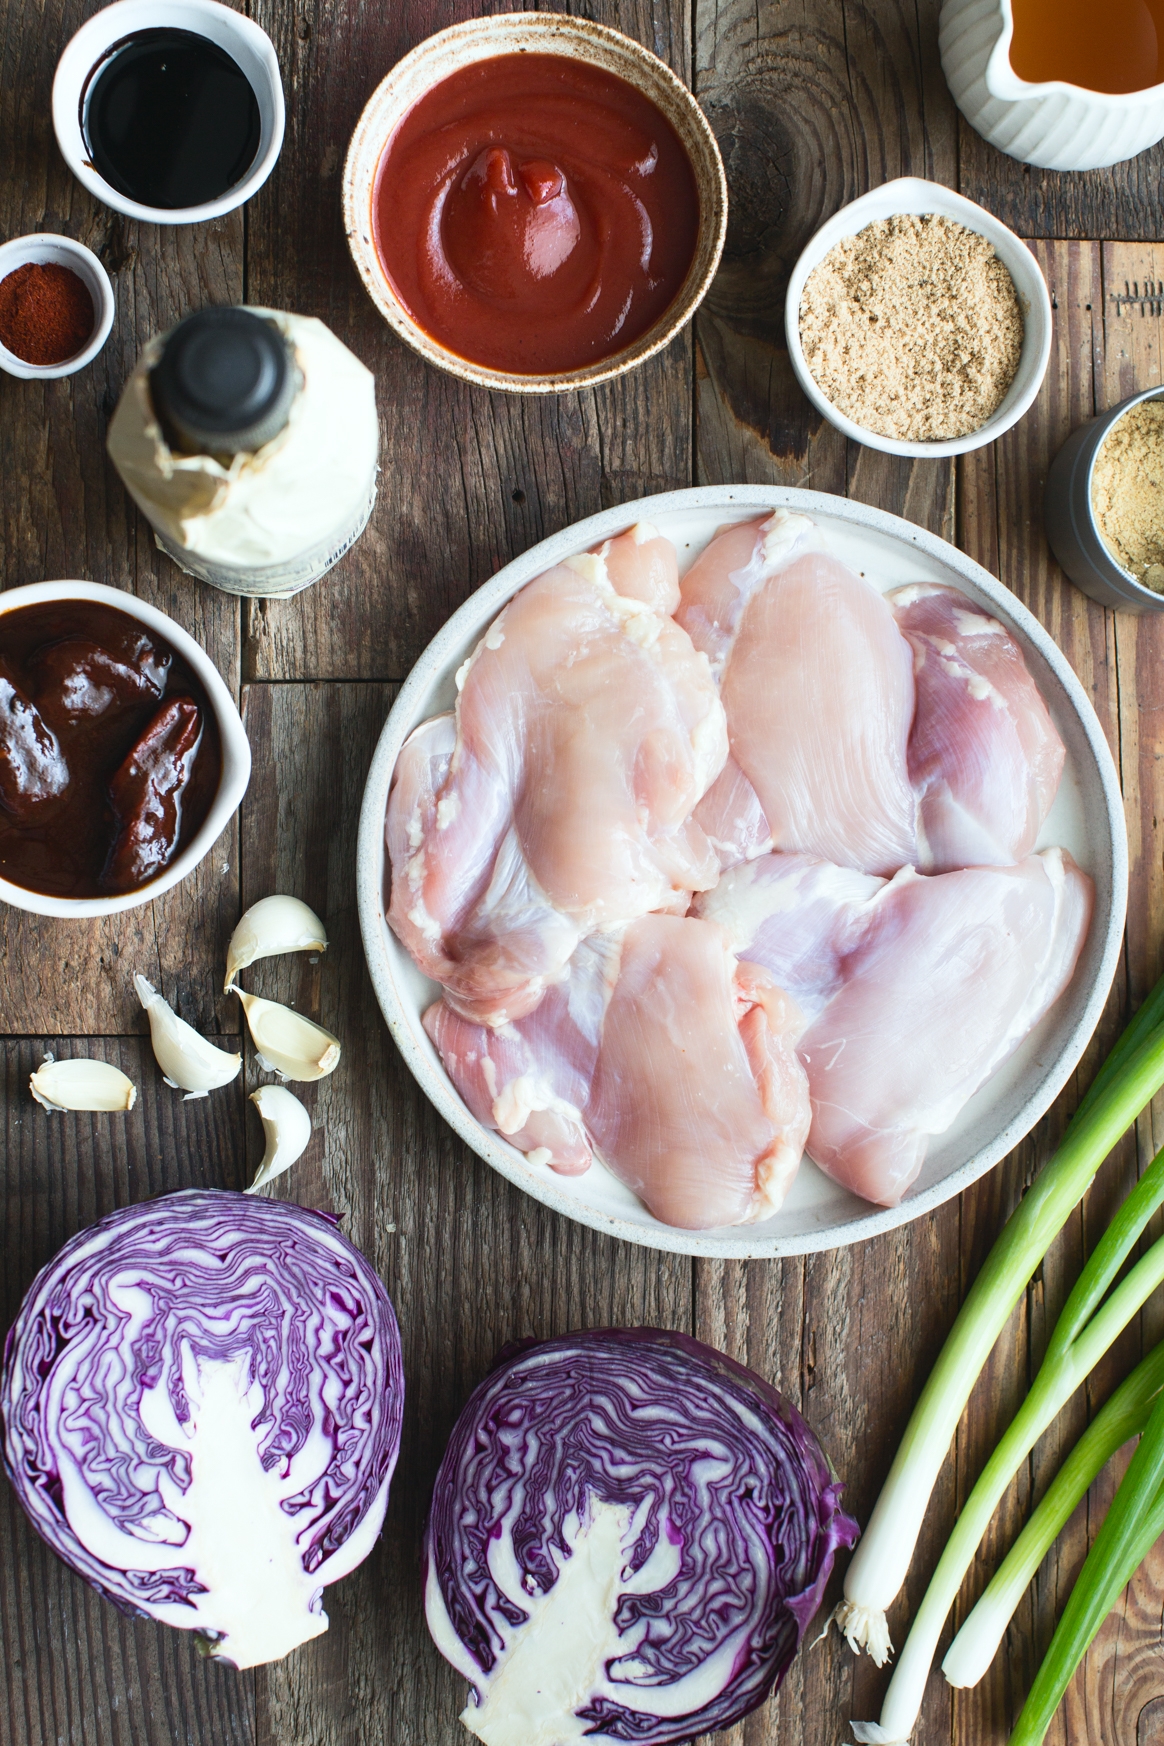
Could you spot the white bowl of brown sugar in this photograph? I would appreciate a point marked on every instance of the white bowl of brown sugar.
(917, 323)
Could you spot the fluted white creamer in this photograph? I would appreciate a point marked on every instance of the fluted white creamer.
(1054, 125)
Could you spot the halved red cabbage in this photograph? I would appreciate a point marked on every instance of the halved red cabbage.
(628, 1538)
(201, 1404)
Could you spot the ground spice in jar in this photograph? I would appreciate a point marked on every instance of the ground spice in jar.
(46, 313)
(912, 328)
(1127, 492)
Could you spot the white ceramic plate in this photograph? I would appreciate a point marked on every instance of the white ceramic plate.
(1087, 819)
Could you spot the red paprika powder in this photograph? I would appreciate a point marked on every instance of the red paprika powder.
(46, 313)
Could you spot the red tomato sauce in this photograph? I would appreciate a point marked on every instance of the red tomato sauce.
(535, 214)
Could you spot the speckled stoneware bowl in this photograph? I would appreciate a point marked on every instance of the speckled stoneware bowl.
(542, 33)
(1087, 819)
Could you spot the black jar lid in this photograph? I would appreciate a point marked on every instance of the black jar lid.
(224, 383)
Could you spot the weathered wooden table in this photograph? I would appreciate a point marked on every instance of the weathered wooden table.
(813, 102)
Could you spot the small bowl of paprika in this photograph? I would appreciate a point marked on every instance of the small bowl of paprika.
(56, 306)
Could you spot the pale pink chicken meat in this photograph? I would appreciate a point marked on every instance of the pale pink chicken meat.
(800, 918)
(698, 1101)
(923, 988)
(731, 815)
(558, 800)
(530, 1080)
(817, 683)
(984, 756)
(676, 1062)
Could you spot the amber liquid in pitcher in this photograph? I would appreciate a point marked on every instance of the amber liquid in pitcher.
(1115, 46)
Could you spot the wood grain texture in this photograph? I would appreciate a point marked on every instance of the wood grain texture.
(813, 103)
(66, 514)
(468, 479)
(1124, 200)
(75, 1671)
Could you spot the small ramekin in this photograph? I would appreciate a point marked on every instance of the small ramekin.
(92, 46)
(1069, 517)
(48, 250)
(236, 751)
(546, 33)
(912, 194)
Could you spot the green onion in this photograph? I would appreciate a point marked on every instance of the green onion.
(1122, 1417)
(1079, 1341)
(1130, 1529)
(1132, 1075)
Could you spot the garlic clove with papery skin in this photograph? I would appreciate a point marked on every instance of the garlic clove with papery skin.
(288, 1043)
(81, 1084)
(188, 1062)
(271, 926)
(286, 1129)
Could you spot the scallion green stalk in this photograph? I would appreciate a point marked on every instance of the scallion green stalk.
(1132, 1075)
(1130, 1529)
(1079, 1341)
(1121, 1418)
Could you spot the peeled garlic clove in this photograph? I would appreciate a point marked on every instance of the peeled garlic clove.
(287, 1042)
(273, 925)
(286, 1129)
(81, 1083)
(188, 1061)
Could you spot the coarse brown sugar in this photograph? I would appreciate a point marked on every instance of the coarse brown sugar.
(912, 328)
(1127, 492)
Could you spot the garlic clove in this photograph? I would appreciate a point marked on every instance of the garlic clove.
(188, 1062)
(81, 1083)
(286, 1129)
(273, 925)
(287, 1042)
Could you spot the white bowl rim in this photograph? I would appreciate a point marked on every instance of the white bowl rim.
(1010, 248)
(482, 606)
(556, 26)
(236, 751)
(42, 246)
(88, 44)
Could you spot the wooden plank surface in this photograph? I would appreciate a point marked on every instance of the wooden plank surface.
(813, 101)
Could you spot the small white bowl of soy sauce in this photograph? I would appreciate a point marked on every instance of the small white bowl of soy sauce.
(169, 110)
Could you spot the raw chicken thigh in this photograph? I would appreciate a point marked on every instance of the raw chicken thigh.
(677, 1061)
(559, 799)
(817, 682)
(530, 1080)
(800, 918)
(924, 987)
(984, 757)
(698, 1100)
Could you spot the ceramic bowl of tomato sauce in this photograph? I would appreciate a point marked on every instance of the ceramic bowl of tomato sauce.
(534, 202)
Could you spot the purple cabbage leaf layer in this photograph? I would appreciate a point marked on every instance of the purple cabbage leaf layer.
(201, 1404)
(629, 1536)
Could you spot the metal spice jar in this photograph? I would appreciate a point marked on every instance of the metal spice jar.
(46, 313)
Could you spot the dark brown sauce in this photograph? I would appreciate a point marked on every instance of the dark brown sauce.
(110, 755)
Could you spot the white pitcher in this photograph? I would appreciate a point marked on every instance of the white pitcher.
(1054, 125)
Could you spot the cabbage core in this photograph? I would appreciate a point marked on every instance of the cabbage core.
(201, 1401)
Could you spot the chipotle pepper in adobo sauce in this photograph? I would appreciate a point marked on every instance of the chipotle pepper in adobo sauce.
(109, 750)
(535, 214)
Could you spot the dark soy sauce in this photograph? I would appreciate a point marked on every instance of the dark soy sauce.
(173, 120)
